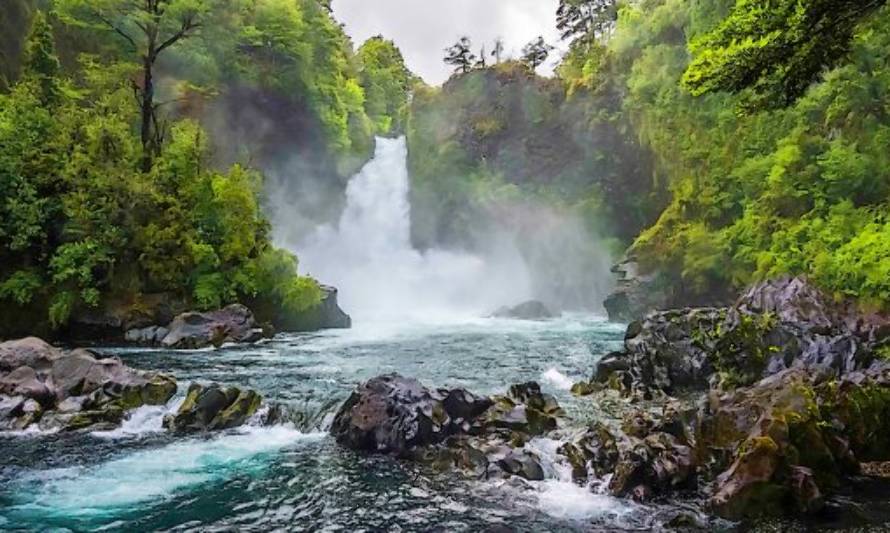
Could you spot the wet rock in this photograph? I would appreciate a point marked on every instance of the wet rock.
(448, 429)
(524, 409)
(593, 452)
(636, 293)
(24, 381)
(531, 310)
(213, 407)
(150, 336)
(234, 323)
(31, 352)
(79, 373)
(74, 390)
(748, 488)
(108, 417)
(523, 464)
(805, 490)
(776, 325)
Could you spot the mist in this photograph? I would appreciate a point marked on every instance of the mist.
(531, 252)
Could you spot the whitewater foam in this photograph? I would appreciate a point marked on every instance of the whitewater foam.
(557, 379)
(152, 474)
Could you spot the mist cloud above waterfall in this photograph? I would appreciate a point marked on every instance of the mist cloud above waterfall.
(424, 28)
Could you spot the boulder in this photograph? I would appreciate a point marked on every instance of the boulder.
(391, 414)
(523, 464)
(451, 429)
(150, 336)
(213, 407)
(24, 382)
(72, 390)
(31, 352)
(783, 443)
(531, 310)
(79, 373)
(776, 325)
(635, 293)
(525, 409)
(190, 331)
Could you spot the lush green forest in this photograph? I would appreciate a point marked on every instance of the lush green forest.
(767, 124)
(717, 146)
(118, 192)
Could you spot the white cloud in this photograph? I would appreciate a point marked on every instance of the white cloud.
(424, 28)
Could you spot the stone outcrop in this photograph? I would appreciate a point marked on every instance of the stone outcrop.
(531, 310)
(793, 395)
(328, 315)
(213, 407)
(234, 323)
(776, 325)
(66, 391)
(635, 294)
(450, 428)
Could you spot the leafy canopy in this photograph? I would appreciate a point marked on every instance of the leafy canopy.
(774, 50)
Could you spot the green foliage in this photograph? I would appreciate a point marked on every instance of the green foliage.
(800, 190)
(502, 135)
(774, 50)
(386, 82)
(81, 224)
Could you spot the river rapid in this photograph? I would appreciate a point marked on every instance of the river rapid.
(294, 476)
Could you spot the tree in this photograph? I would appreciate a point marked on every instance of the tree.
(460, 55)
(498, 51)
(148, 29)
(535, 53)
(774, 51)
(41, 63)
(386, 81)
(481, 63)
(586, 19)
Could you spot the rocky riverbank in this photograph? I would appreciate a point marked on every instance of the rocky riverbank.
(770, 407)
(43, 387)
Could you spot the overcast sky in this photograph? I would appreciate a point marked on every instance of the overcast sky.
(424, 28)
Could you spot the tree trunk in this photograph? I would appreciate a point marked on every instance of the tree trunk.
(147, 114)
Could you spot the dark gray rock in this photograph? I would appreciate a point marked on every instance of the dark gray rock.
(523, 464)
(531, 310)
(391, 414)
(776, 325)
(234, 323)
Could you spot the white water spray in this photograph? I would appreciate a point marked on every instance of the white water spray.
(381, 277)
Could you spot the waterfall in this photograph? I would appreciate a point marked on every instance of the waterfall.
(369, 256)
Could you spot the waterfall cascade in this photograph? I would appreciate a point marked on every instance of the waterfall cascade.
(369, 256)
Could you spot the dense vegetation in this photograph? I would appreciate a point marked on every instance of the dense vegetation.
(387, 82)
(802, 189)
(768, 122)
(501, 136)
(105, 212)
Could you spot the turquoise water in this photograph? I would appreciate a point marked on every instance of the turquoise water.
(296, 477)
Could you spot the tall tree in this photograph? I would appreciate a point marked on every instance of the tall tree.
(535, 53)
(41, 63)
(498, 51)
(586, 20)
(148, 28)
(774, 50)
(481, 62)
(460, 55)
